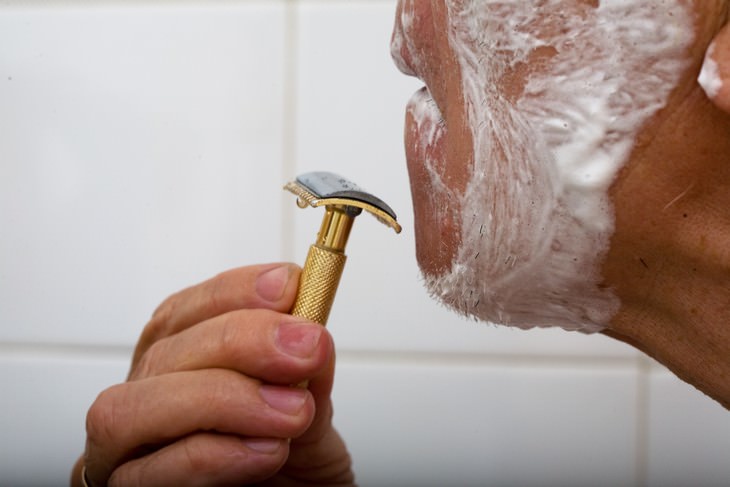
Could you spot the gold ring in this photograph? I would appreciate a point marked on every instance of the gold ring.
(84, 482)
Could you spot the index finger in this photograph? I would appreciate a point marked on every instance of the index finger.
(267, 286)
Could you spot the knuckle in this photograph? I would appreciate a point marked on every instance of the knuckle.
(147, 364)
(217, 295)
(163, 313)
(159, 326)
(160, 320)
(102, 418)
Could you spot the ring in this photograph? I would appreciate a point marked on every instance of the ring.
(84, 482)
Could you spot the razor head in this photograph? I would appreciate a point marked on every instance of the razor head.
(323, 188)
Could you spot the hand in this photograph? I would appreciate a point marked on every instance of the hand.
(209, 399)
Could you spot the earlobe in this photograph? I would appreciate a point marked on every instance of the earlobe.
(715, 74)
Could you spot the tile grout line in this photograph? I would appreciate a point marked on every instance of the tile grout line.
(457, 358)
(65, 350)
(289, 132)
(354, 357)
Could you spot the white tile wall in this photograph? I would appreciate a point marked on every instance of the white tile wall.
(135, 143)
(431, 424)
(689, 436)
(142, 148)
(45, 395)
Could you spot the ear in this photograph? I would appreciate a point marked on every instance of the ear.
(715, 75)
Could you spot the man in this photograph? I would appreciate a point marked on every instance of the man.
(536, 114)
(569, 145)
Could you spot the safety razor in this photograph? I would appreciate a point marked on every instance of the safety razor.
(343, 201)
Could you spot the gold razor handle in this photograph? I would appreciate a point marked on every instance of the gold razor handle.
(318, 283)
(324, 265)
(343, 201)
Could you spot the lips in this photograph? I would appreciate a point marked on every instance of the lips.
(435, 205)
(434, 208)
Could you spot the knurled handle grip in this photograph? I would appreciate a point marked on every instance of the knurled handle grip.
(318, 284)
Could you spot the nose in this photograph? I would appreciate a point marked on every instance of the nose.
(399, 45)
(413, 45)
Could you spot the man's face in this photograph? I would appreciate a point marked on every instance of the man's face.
(529, 112)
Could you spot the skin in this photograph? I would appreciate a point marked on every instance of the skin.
(193, 412)
(668, 260)
(208, 400)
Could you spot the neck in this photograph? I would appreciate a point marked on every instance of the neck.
(670, 255)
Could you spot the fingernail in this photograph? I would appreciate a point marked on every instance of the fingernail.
(271, 284)
(289, 400)
(263, 445)
(298, 339)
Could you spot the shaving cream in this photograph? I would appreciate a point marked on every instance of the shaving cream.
(535, 217)
(709, 78)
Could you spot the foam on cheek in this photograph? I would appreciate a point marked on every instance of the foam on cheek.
(536, 217)
(709, 78)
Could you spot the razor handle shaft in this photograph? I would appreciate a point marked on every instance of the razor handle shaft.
(318, 283)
